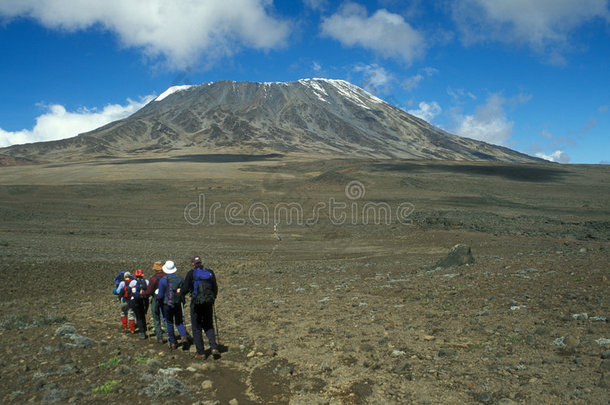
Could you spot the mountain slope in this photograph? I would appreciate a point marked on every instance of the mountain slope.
(313, 116)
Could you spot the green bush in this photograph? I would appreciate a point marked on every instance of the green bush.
(113, 362)
(106, 388)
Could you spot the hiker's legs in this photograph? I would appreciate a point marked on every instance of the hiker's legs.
(196, 328)
(208, 324)
(131, 317)
(138, 309)
(169, 323)
(179, 319)
(124, 306)
(154, 309)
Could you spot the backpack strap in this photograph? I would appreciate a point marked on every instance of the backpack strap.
(170, 292)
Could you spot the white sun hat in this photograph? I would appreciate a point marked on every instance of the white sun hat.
(169, 267)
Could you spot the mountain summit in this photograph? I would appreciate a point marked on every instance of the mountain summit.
(309, 116)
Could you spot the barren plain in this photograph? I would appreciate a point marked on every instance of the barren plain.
(349, 307)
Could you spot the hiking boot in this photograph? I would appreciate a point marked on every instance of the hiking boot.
(143, 336)
(172, 346)
(202, 356)
(215, 354)
(185, 342)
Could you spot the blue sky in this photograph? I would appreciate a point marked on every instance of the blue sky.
(530, 75)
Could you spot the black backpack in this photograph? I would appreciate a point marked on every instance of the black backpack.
(140, 285)
(203, 292)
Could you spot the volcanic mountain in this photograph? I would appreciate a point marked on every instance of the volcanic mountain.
(309, 116)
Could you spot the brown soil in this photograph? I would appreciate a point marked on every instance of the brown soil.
(341, 313)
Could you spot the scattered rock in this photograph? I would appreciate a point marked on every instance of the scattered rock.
(446, 353)
(206, 385)
(603, 341)
(583, 316)
(606, 354)
(571, 342)
(485, 398)
(403, 367)
(459, 255)
(284, 371)
(65, 330)
(169, 371)
(604, 381)
(604, 367)
(82, 341)
(234, 402)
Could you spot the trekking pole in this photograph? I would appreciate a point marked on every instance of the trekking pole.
(216, 325)
(162, 318)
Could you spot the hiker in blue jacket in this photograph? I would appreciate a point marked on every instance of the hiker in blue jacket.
(170, 296)
(201, 283)
(123, 290)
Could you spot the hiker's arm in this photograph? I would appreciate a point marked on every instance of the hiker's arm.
(187, 286)
(117, 289)
(161, 293)
(214, 284)
(150, 288)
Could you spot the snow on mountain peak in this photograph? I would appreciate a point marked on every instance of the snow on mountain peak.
(172, 90)
(346, 89)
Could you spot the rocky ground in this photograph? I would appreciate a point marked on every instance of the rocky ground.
(337, 312)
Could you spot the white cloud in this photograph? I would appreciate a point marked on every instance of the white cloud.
(488, 123)
(376, 77)
(590, 125)
(385, 33)
(58, 123)
(316, 4)
(459, 94)
(180, 31)
(558, 156)
(427, 111)
(412, 82)
(546, 134)
(538, 24)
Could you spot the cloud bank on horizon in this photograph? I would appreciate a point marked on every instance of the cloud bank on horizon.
(58, 123)
(392, 51)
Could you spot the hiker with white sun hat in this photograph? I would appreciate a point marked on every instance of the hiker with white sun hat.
(171, 298)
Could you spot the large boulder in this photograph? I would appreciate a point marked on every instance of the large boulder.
(459, 255)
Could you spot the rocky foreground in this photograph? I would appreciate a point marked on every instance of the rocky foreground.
(523, 324)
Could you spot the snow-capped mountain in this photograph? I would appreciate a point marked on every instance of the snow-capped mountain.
(311, 116)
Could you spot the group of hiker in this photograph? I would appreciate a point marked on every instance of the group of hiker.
(165, 292)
